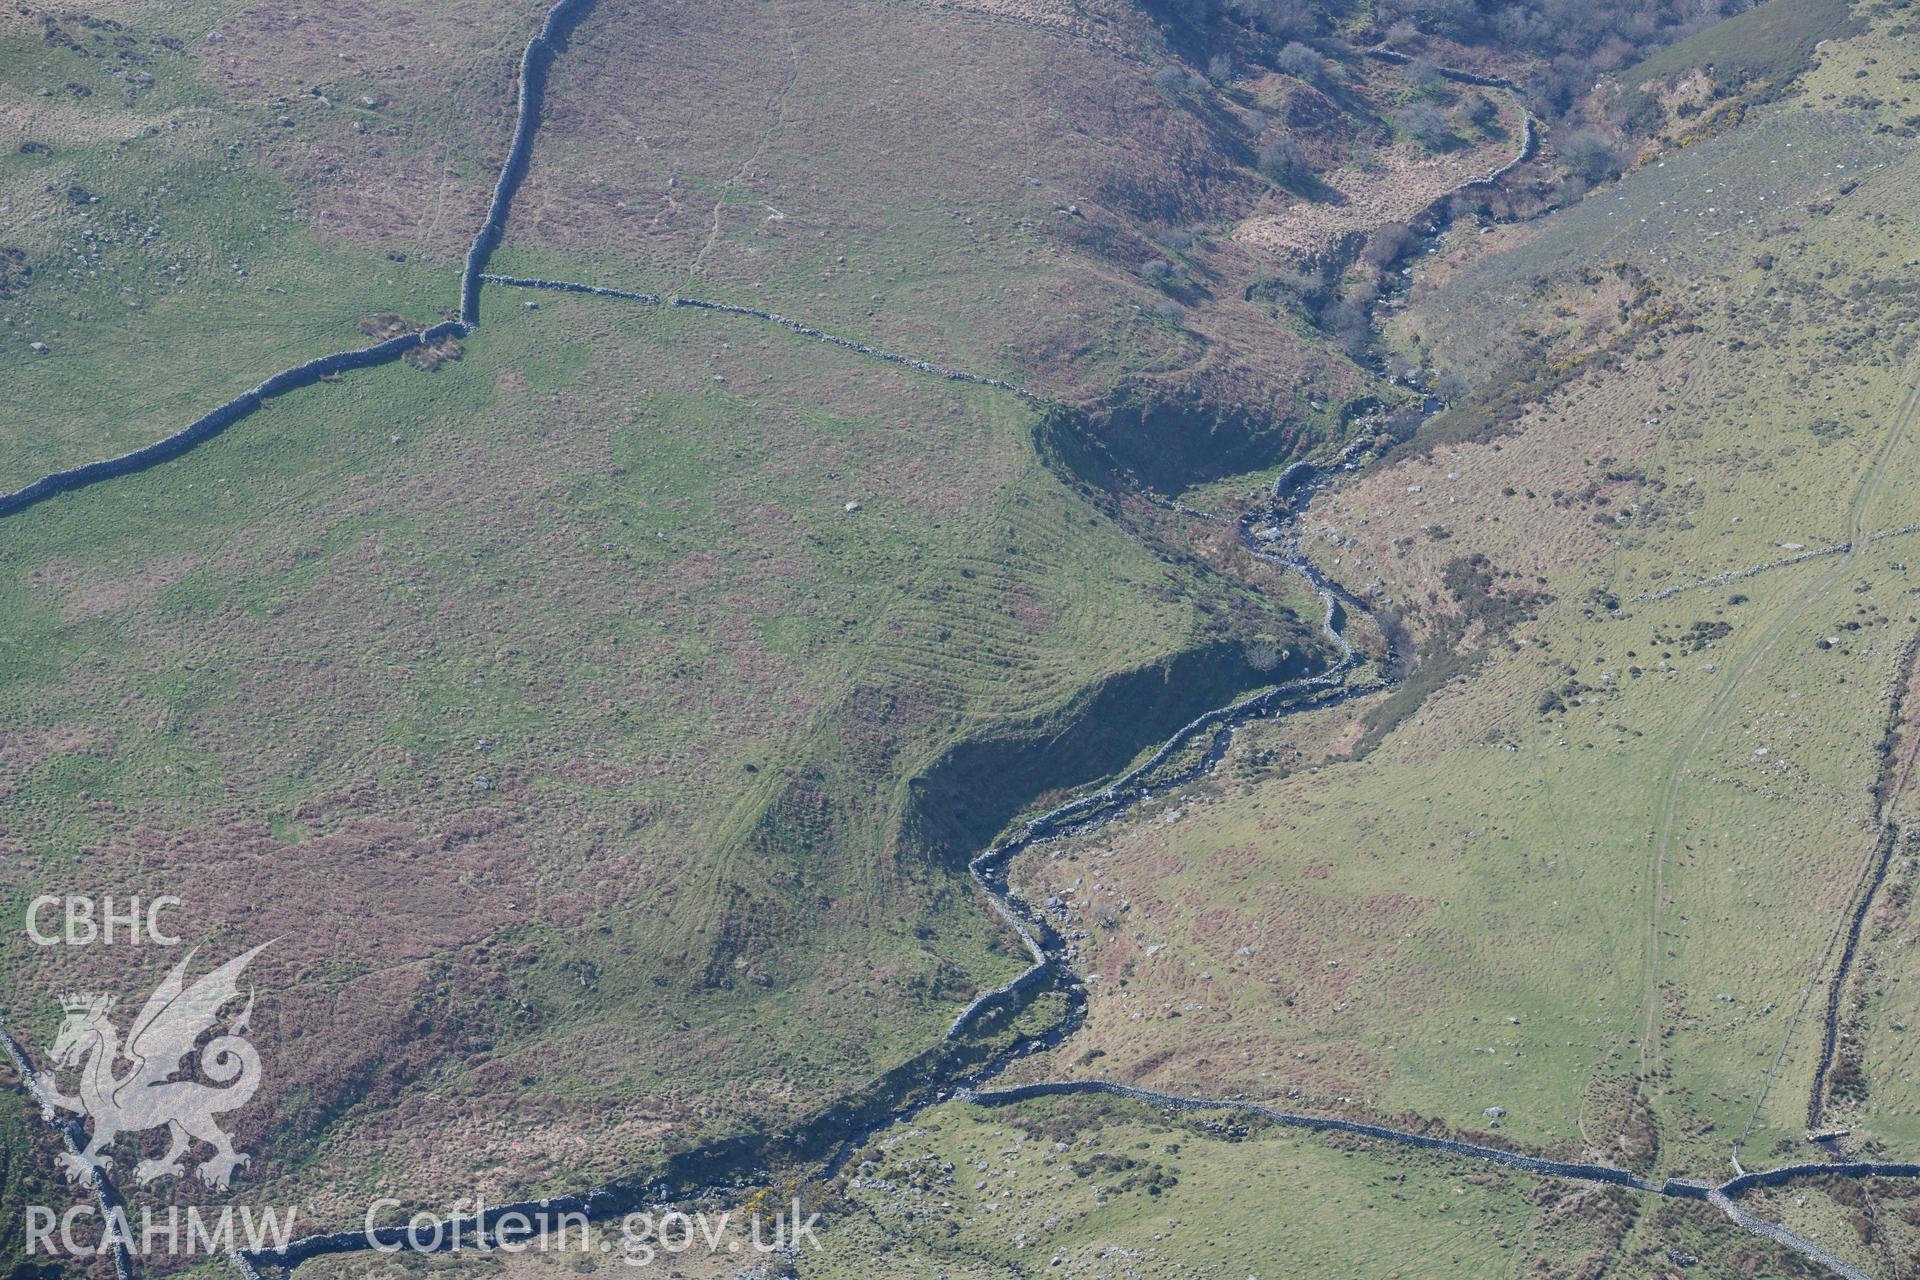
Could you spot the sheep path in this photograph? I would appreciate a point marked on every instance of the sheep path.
(988, 869)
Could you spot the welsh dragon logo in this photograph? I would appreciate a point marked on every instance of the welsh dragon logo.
(145, 1096)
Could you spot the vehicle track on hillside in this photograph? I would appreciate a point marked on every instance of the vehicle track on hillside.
(1856, 546)
(1874, 868)
(1895, 777)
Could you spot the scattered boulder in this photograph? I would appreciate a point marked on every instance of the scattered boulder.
(430, 355)
(383, 325)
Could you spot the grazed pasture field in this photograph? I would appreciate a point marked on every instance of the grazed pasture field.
(557, 705)
(1593, 880)
(283, 672)
(179, 180)
(1010, 196)
(1086, 1189)
(569, 710)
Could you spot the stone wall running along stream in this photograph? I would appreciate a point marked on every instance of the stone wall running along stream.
(1574, 1170)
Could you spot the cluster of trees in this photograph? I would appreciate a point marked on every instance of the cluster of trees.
(1433, 128)
(1426, 121)
(1281, 19)
(1269, 30)
(1283, 162)
(1304, 62)
(1614, 32)
(1338, 302)
(1588, 156)
(1577, 38)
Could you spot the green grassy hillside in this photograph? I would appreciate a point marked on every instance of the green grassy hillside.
(601, 720)
(170, 218)
(1598, 878)
(598, 745)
